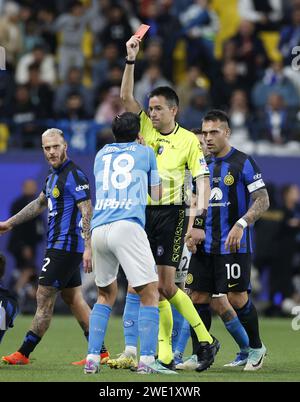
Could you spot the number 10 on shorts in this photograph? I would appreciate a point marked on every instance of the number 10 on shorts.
(233, 271)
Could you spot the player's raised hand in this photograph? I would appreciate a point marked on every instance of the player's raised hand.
(5, 227)
(233, 241)
(133, 47)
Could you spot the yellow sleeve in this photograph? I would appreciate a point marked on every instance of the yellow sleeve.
(196, 161)
(147, 129)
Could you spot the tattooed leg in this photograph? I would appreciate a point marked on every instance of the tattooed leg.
(46, 296)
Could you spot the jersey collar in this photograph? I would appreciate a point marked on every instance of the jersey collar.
(61, 166)
(223, 158)
(171, 132)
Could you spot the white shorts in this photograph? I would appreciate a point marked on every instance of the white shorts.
(182, 270)
(122, 242)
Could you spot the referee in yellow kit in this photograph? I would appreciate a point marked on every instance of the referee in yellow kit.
(176, 150)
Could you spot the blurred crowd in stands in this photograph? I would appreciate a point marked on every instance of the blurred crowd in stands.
(64, 62)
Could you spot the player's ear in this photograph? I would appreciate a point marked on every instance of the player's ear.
(66, 145)
(228, 133)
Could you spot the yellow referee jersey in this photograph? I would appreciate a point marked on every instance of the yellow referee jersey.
(175, 153)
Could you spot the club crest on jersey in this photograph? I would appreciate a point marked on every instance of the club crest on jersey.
(55, 192)
(189, 279)
(229, 179)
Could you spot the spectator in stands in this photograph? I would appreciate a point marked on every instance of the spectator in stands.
(153, 54)
(118, 28)
(199, 27)
(40, 57)
(224, 85)
(152, 78)
(290, 37)
(72, 84)
(25, 126)
(114, 79)
(265, 14)
(110, 107)
(275, 123)
(23, 243)
(274, 80)
(197, 108)
(240, 119)
(41, 94)
(109, 58)
(75, 108)
(10, 33)
(250, 51)
(194, 79)
(164, 27)
(45, 18)
(71, 25)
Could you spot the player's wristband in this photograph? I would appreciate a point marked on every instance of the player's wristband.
(243, 223)
(129, 61)
(199, 222)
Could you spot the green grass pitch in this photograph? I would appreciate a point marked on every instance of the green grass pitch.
(64, 343)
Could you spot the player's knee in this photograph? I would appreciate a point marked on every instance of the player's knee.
(220, 305)
(199, 297)
(237, 300)
(167, 291)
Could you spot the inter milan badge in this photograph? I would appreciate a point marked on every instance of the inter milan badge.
(189, 279)
(55, 192)
(160, 150)
(228, 179)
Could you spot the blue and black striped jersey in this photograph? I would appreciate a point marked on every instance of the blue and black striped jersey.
(65, 187)
(232, 179)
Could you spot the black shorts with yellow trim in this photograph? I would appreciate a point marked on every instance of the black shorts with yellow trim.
(219, 273)
(166, 227)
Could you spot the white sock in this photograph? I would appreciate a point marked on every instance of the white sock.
(95, 358)
(130, 350)
(147, 359)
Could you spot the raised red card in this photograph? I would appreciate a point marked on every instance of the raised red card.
(140, 33)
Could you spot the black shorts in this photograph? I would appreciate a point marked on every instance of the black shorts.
(61, 269)
(216, 273)
(165, 228)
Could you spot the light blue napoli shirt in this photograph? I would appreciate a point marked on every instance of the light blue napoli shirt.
(123, 173)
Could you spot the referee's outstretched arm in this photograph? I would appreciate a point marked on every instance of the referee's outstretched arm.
(130, 104)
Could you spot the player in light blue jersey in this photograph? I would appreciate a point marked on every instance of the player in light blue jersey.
(124, 172)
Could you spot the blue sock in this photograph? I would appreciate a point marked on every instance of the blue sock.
(148, 330)
(130, 319)
(177, 325)
(184, 336)
(239, 334)
(98, 323)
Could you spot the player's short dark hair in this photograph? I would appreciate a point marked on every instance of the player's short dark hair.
(126, 127)
(168, 93)
(217, 115)
(2, 265)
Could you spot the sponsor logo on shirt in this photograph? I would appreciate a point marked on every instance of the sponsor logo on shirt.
(82, 187)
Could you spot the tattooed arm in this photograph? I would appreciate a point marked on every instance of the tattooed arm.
(32, 210)
(260, 205)
(85, 207)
